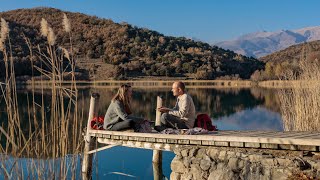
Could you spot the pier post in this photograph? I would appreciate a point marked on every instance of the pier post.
(87, 158)
(157, 154)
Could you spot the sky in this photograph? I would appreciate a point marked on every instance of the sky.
(206, 20)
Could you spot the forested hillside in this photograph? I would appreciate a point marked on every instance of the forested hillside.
(284, 63)
(107, 49)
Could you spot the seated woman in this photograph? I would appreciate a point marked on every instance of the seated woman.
(118, 113)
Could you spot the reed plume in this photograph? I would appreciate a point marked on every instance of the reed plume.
(44, 28)
(58, 131)
(4, 34)
(66, 23)
(51, 37)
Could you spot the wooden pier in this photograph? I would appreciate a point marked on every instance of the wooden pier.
(293, 140)
(308, 141)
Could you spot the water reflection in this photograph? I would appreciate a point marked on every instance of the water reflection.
(230, 109)
(258, 118)
(218, 103)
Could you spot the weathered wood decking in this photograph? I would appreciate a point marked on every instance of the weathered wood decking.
(247, 139)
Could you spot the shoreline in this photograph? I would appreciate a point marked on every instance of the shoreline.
(142, 83)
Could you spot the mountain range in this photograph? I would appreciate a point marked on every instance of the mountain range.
(263, 43)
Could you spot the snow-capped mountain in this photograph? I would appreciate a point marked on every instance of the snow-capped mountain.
(259, 44)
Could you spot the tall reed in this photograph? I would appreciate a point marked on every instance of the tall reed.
(57, 131)
(300, 105)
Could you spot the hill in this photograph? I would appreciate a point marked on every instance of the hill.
(287, 62)
(295, 53)
(105, 49)
(260, 44)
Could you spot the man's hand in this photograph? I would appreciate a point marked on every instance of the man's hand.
(163, 109)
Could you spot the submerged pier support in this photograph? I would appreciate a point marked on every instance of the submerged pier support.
(157, 154)
(87, 156)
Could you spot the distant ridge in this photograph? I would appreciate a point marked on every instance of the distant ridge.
(259, 44)
(105, 49)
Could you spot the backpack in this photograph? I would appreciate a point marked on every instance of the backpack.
(97, 123)
(204, 121)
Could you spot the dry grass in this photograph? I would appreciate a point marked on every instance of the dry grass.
(51, 136)
(300, 104)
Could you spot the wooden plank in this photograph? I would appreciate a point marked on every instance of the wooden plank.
(288, 147)
(307, 148)
(289, 135)
(172, 141)
(183, 141)
(124, 137)
(132, 138)
(210, 137)
(195, 142)
(207, 143)
(269, 146)
(115, 137)
(151, 139)
(221, 143)
(140, 139)
(106, 136)
(252, 145)
(236, 144)
(160, 140)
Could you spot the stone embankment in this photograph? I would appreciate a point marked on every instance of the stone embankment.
(247, 164)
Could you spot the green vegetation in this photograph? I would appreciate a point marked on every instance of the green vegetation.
(122, 51)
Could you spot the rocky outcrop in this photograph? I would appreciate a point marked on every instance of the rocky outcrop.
(225, 163)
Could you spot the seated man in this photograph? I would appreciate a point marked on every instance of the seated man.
(183, 115)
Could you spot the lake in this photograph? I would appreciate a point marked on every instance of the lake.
(229, 108)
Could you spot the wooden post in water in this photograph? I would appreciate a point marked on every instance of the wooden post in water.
(157, 154)
(87, 158)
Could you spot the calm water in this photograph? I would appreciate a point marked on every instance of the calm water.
(230, 109)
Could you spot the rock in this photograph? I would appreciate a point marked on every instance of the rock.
(222, 174)
(177, 151)
(285, 162)
(222, 155)
(233, 163)
(231, 154)
(255, 158)
(193, 152)
(187, 176)
(175, 176)
(213, 153)
(185, 152)
(187, 162)
(177, 166)
(278, 174)
(196, 171)
(205, 164)
(268, 162)
(201, 153)
(195, 160)
(241, 163)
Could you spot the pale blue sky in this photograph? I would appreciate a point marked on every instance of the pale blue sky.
(207, 20)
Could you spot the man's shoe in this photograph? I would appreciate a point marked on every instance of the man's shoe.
(159, 128)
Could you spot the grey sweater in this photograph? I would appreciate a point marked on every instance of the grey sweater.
(116, 113)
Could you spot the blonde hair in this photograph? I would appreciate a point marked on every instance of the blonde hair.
(122, 96)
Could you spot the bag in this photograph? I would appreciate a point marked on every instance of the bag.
(204, 121)
(97, 123)
(144, 127)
